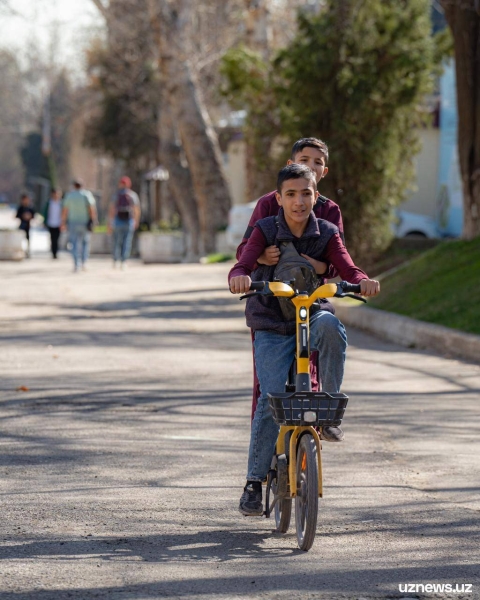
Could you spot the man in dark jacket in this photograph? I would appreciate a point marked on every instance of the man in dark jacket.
(25, 213)
(52, 217)
(318, 241)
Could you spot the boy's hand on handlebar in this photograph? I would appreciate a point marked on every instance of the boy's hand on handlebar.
(240, 284)
(270, 256)
(320, 267)
(369, 287)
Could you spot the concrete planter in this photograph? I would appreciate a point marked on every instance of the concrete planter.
(13, 245)
(100, 243)
(161, 247)
(222, 244)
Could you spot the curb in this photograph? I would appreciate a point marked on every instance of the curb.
(410, 332)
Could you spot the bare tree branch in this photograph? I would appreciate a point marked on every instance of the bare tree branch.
(101, 7)
(6, 8)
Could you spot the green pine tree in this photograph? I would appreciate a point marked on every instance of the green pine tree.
(357, 76)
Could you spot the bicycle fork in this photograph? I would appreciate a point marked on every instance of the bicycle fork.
(291, 452)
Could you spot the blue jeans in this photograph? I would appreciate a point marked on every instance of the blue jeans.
(79, 237)
(122, 239)
(274, 354)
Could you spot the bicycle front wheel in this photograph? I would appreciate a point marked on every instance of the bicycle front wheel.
(306, 500)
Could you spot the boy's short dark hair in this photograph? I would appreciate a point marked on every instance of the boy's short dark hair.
(295, 171)
(310, 142)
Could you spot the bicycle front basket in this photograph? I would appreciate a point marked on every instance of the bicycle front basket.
(308, 408)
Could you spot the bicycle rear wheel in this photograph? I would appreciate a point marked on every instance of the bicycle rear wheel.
(278, 482)
(306, 500)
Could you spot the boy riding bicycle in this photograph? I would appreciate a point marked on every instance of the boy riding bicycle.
(274, 343)
(313, 153)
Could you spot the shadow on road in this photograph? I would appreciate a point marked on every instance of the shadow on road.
(222, 546)
(197, 307)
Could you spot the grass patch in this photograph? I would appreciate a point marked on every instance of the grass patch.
(440, 286)
(399, 251)
(218, 257)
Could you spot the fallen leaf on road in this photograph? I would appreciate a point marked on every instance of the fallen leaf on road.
(23, 388)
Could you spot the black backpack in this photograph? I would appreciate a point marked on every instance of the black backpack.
(293, 267)
(125, 205)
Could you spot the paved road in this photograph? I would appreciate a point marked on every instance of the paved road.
(122, 465)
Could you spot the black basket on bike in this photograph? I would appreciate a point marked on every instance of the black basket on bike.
(308, 408)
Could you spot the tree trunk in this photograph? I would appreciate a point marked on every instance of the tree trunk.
(180, 184)
(192, 121)
(463, 17)
(258, 31)
(202, 152)
(171, 22)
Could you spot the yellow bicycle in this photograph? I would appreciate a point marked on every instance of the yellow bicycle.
(296, 468)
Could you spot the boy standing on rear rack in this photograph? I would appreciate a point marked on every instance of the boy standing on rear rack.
(313, 153)
(274, 343)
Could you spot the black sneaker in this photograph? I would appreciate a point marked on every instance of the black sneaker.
(251, 500)
(332, 434)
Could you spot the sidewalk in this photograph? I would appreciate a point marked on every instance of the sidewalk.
(411, 333)
(123, 463)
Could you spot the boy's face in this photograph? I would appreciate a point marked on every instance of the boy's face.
(297, 198)
(313, 158)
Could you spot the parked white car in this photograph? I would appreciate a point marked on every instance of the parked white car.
(238, 219)
(411, 225)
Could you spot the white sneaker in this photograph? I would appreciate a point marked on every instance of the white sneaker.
(332, 434)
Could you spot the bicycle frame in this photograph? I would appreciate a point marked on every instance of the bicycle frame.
(293, 411)
(302, 303)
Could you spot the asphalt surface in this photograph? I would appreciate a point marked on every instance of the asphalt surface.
(123, 458)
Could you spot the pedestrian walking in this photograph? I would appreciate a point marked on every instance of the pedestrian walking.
(124, 218)
(52, 217)
(79, 214)
(25, 213)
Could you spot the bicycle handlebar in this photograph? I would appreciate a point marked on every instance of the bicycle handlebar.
(350, 287)
(257, 286)
(343, 289)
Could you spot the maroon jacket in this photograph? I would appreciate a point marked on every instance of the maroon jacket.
(320, 240)
(267, 206)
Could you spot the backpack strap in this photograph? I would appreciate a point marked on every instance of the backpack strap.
(277, 226)
(269, 227)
